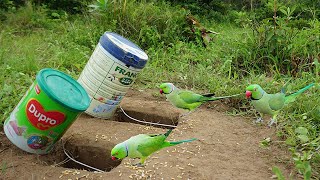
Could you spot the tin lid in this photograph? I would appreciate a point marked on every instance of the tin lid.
(63, 89)
(124, 50)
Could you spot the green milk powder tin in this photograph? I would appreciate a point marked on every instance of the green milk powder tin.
(47, 110)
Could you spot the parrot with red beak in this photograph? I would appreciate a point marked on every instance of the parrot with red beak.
(270, 104)
(143, 145)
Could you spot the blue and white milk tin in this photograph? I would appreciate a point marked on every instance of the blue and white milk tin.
(110, 72)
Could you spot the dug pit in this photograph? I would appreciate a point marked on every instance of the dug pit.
(95, 155)
(133, 110)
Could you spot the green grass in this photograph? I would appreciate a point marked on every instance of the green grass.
(30, 41)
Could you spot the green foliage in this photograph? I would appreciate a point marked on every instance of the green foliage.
(4, 166)
(101, 5)
(266, 142)
(302, 164)
(274, 45)
(70, 6)
(11, 4)
(28, 18)
(150, 24)
(278, 173)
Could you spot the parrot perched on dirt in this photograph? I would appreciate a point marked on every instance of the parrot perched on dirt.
(270, 104)
(186, 99)
(143, 145)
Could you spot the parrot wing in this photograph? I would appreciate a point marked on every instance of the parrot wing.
(189, 97)
(276, 101)
(150, 144)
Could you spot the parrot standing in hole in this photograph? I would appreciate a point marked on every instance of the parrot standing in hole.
(187, 99)
(143, 145)
(270, 104)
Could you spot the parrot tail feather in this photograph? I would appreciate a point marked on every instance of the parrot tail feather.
(292, 97)
(167, 144)
(182, 141)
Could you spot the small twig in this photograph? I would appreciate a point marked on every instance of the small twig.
(3, 149)
(7, 167)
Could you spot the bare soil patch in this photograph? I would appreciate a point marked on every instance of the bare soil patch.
(228, 147)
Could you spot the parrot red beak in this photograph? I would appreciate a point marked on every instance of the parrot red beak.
(113, 158)
(248, 94)
(161, 91)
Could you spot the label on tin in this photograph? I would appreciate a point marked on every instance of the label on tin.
(41, 119)
(122, 75)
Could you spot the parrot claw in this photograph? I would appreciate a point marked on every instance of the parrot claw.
(259, 120)
(139, 164)
(271, 122)
(185, 114)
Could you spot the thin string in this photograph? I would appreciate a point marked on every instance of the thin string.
(65, 152)
(146, 122)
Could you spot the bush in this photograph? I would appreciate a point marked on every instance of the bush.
(28, 18)
(150, 24)
(70, 6)
(277, 46)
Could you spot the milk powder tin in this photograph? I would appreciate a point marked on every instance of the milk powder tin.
(43, 115)
(110, 72)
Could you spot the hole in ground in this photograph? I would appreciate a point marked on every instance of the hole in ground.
(151, 116)
(93, 155)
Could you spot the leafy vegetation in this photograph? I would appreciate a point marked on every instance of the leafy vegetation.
(268, 42)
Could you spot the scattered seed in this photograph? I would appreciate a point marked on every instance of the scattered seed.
(190, 165)
(179, 177)
(120, 174)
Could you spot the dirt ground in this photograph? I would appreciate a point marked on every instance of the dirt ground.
(227, 147)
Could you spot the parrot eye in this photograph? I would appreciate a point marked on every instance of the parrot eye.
(255, 89)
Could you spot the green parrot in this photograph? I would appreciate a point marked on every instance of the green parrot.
(186, 99)
(143, 145)
(270, 104)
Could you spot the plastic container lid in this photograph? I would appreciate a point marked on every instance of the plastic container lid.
(63, 89)
(124, 50)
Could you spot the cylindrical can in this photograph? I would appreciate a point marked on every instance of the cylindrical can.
(110, 72)
(52, 103)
